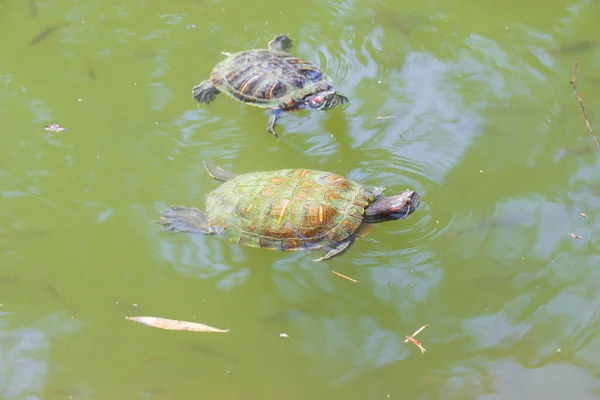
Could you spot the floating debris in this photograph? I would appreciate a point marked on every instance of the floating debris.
(575, 236)
(45, 33)
(385, 117)
(54, 128)
(175, 324)
(415, 341)
(584, 215)
(345, 277)
(284, 335)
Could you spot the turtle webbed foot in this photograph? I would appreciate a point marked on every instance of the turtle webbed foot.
(338, 248)
(342, 100)
(272, 120)
(205, 92)
(181, 219)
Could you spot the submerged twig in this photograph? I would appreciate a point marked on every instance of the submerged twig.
(580, 100)
(47, 32)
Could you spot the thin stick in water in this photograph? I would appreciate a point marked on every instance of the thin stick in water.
(345, 277)
(580, 100)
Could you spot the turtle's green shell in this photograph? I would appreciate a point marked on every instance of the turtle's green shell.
(290, 209)
(268, 79)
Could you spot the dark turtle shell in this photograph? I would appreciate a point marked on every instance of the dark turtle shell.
(289, 209)
(268, 79)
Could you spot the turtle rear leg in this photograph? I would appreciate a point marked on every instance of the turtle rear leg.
(218, 173)
(338, 248)
(205, 92)
(280, 43)
(181, 219)
(272, 120)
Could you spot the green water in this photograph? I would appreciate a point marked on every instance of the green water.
(487, 131)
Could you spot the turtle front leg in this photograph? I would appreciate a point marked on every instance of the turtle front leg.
(217, 172)
(205, 92)
(181, 219)
(338, 248)
(271, 125)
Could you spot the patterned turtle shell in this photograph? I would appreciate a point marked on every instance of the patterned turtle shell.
(268, 79)
(290, 209)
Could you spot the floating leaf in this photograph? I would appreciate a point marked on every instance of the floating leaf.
(385, 117)
(175, 324)
(54, 128)
(575, 236)
(584, 215)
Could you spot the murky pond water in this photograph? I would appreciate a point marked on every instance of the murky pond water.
(486, 129)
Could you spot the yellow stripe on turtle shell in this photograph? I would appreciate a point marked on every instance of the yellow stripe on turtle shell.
(271, 90)
(249, 81)
(297, 60)
(282, 213)
(320, 213)
(249, 208)
(303, 174)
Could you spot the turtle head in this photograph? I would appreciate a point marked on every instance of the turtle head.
(388, 208)
(325, 100)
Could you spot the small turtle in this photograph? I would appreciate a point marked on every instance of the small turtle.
(270, 78)
(290, 209)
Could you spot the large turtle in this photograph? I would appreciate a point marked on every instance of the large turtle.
(290, 209)
(270, 78)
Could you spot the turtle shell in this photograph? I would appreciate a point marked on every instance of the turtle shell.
(268, 79)
(289, 209)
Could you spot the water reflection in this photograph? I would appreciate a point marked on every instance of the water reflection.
(25, 352)
(486, 130)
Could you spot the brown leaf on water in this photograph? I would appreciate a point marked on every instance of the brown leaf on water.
(175, 324)
(575, 236)
(54, 128)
